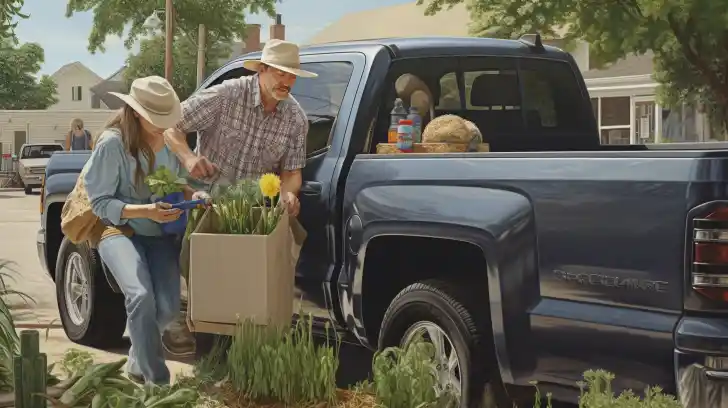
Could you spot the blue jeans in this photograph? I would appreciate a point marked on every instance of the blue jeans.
(147, 271)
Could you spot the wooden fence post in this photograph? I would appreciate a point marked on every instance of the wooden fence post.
(30, 370)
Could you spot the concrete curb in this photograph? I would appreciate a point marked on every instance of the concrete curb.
(9, 189)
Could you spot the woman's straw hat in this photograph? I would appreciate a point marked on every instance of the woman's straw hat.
(154, 99)
(282, 55)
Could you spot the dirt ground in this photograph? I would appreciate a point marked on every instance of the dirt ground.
(19, 223)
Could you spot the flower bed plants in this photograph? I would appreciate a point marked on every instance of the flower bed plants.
(273, 368)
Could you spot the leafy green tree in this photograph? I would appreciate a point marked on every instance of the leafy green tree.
(9, 15)
(19, 87)
(689, 38)
(224, 19)
(150, 61)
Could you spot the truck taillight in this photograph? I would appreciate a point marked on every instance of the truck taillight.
(710, 255)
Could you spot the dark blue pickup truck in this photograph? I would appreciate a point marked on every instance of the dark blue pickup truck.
(546, 257)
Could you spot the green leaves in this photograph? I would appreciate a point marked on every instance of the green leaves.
(162, 182)
(9, 15)
(19, 87)
(225, 19)
(150, 61)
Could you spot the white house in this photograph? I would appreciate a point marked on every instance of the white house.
(74, 82)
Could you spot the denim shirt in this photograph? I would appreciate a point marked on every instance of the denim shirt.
(111, 185)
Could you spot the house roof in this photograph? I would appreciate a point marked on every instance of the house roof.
(77, 66)
(629, 66)
(401, 20)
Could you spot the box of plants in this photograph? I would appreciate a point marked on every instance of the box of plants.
(168, 188)
(242, 258)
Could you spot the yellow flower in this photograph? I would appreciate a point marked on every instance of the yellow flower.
(270, 185)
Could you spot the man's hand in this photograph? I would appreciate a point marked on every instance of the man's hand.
(292, 204)
(200, 167)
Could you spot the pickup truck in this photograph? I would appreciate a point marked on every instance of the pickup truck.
(543, 258)
(32, 163)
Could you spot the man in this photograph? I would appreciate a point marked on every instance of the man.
(247, 127)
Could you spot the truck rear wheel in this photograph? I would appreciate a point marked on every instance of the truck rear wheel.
(92, 314)
(438, 311)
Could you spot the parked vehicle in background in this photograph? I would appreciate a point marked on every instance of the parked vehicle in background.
(544, 258)
(32, 163)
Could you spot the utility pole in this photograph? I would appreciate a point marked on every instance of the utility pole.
(169, 38)
(201, 45)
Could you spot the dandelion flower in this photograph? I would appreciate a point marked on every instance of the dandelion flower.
(270, 185)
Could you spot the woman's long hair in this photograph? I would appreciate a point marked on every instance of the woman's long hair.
(128, 124)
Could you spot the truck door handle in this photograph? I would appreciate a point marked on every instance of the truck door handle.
(311, 188)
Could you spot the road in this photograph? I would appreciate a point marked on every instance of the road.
(19, 223)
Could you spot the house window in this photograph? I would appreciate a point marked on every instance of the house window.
(614, 124)
(76, 94)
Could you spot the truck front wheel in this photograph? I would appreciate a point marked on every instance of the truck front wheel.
(440, 312)
(91, 313)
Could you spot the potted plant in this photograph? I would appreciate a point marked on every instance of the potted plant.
(168, 188)
(254, 245)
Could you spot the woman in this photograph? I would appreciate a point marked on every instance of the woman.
(78, 138)
(144, 263)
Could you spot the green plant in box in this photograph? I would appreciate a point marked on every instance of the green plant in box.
(242, 208)
(162, 182)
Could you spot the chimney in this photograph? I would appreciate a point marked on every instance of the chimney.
(252, 38)
(278, 30)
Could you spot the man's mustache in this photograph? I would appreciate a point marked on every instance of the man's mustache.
(284, 88)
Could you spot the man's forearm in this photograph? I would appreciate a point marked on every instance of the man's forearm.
(291, 182)
(177, 142)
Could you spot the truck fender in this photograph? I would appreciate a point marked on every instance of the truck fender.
(498, 221)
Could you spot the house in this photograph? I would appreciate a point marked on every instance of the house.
(623, 94)
(74, 82)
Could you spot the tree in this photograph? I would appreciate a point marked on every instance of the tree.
(224, 19)
(9, 13)
(150, 61)
(689, 38)
(19, 88)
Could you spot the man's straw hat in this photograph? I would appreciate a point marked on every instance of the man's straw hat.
(154, 99)
(282, 55)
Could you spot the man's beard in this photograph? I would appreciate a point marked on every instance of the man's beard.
(280, 94)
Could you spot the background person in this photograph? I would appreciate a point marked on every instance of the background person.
(78, 138)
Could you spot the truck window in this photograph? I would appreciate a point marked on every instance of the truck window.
(321, 99)
(39, 151)
(506, 96)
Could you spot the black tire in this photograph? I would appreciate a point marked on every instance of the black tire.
(451, 307)
(104, 325)
(28, 190)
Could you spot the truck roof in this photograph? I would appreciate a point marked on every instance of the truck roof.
(431, 47)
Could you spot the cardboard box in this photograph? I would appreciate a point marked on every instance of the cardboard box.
(238, 277)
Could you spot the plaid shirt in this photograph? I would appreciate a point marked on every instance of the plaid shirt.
(238, 136)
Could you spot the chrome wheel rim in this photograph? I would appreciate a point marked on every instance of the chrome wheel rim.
(446, 359)
(76, 289)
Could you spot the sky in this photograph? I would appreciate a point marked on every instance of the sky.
(65, 39)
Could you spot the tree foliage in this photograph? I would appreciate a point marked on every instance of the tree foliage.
(689, 38)
(150, 61)
(10, 12)
(19, 87)
(224, 19)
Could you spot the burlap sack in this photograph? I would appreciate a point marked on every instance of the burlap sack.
(77, 220)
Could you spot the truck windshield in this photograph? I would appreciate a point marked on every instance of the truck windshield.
(505, 95)
(39, 151)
